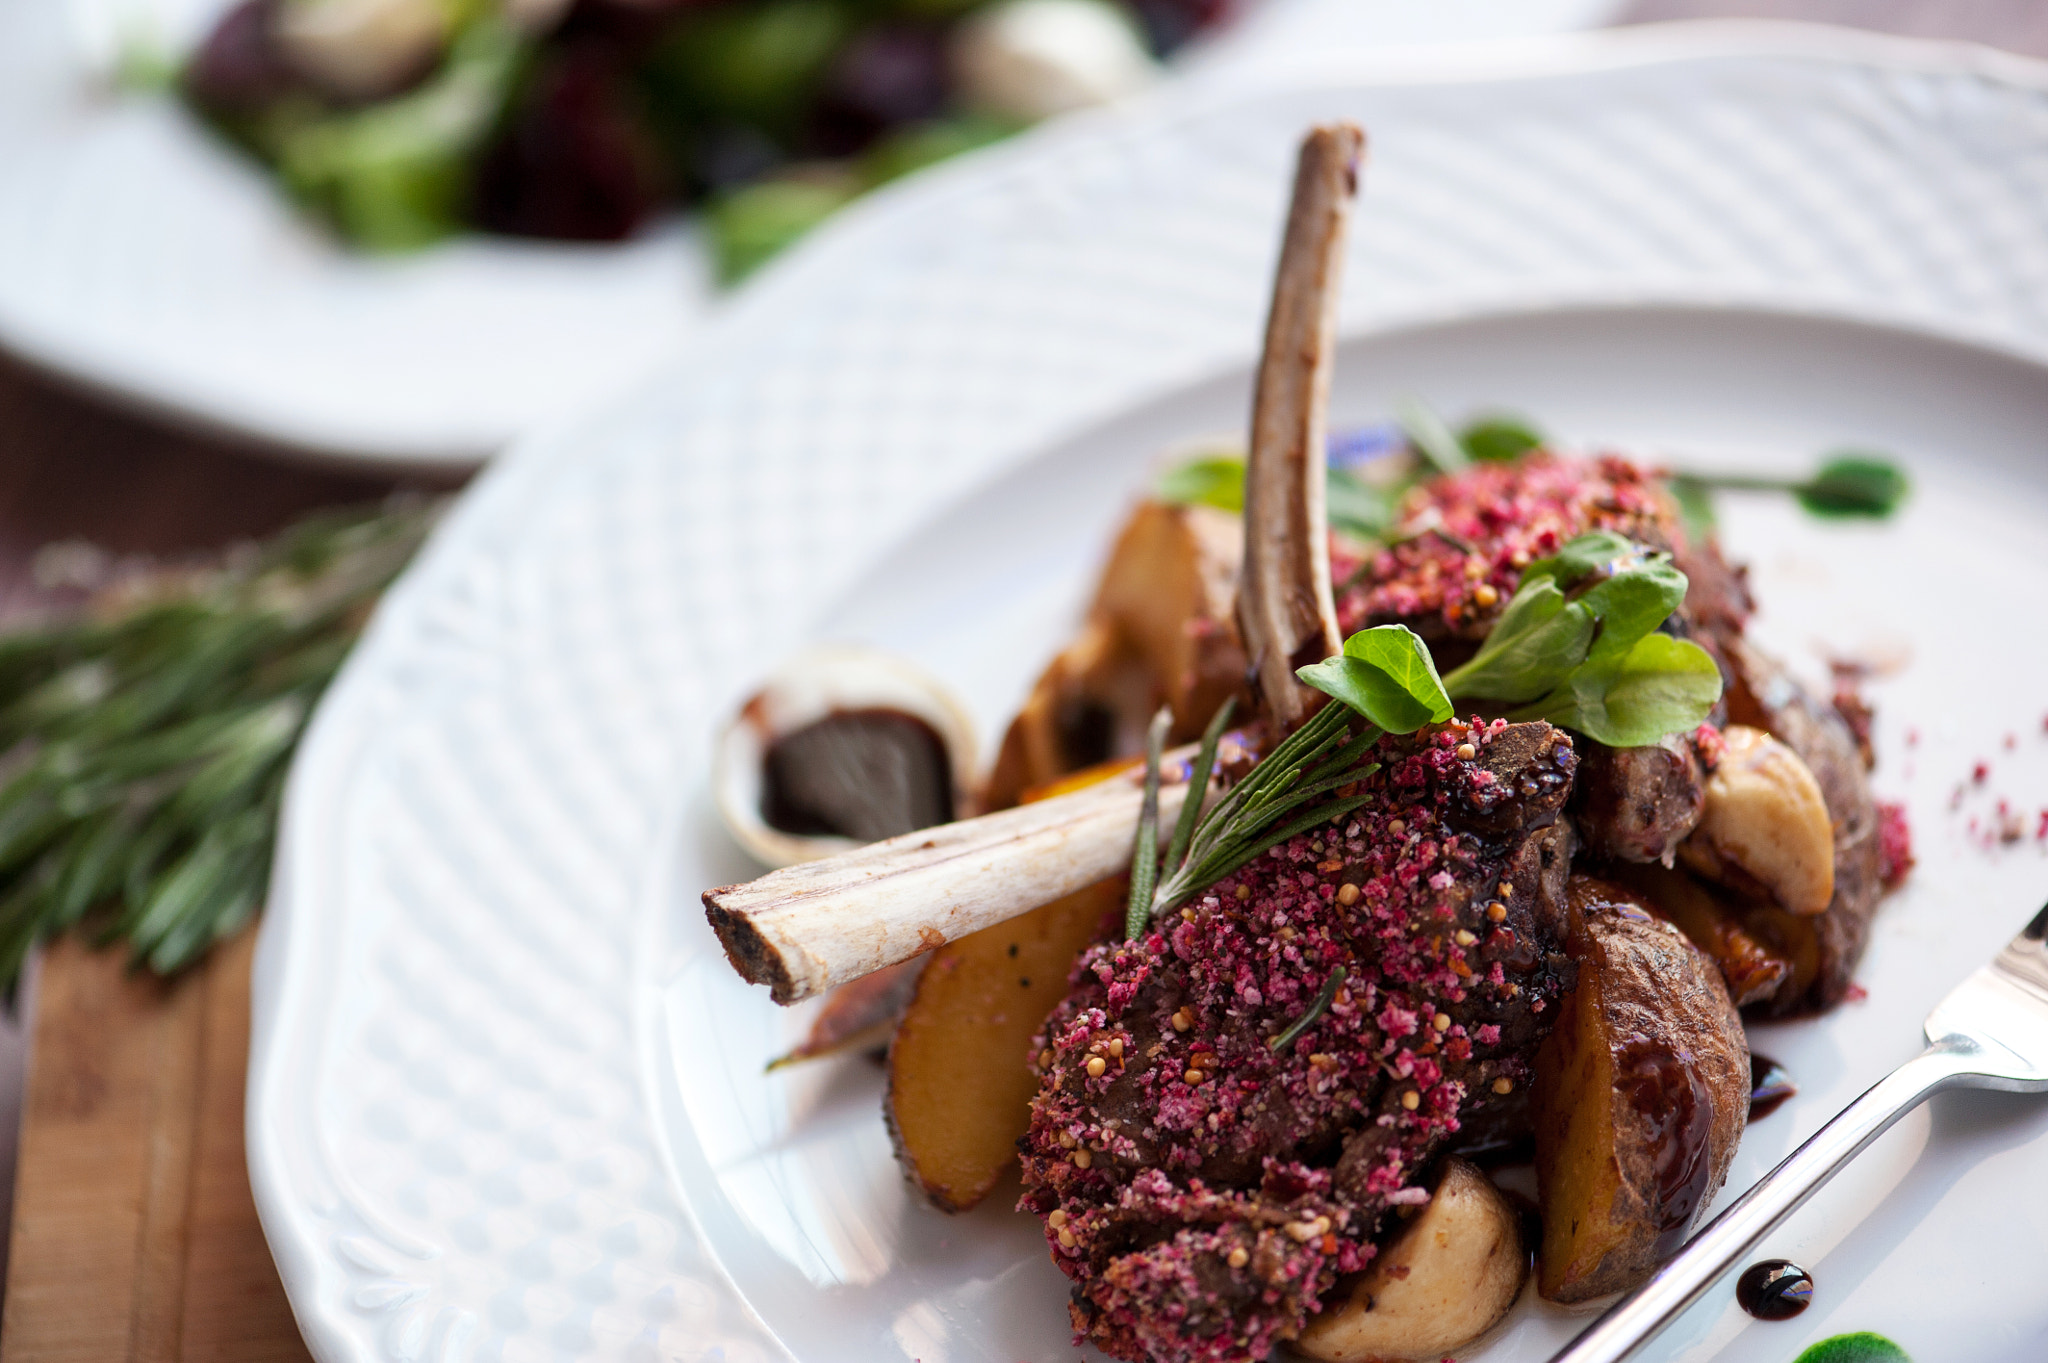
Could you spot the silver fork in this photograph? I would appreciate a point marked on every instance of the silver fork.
(1991, 1032)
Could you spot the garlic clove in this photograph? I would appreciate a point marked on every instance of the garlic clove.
(1765, 825)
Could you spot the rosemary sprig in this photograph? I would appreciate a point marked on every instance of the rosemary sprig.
(1145, 852)
(1198, 782)
(1317, 1006)
(146, 740)
(1311, 762)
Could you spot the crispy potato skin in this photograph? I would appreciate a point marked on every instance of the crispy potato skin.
(1753, 971)
(1444, 1281)
(1825, 947)
(1640, 1097)
(960, 1081)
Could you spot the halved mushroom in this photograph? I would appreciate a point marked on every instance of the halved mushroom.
(1765, 825)
(841, 747)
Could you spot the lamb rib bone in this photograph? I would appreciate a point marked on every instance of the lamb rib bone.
(1285, 610)
(805, 928)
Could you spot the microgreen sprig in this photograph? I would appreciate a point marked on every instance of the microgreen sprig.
(1578, 646)
(1848, 484)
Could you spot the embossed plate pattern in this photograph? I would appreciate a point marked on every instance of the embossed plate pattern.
(501, 1095)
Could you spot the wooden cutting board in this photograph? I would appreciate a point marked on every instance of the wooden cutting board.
(135, 1236)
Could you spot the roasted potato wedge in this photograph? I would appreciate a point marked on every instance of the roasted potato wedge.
(1162, 630)
(1640, 1096)
(1170, 591)
(1824, 947)
(1444, 1281)
(960, 1080)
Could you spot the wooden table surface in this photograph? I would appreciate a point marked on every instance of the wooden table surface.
(134, 1234)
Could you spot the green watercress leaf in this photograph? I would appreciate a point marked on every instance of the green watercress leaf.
(1580, 558)
(1848, 483)
(1499, 438)
(1630, 603)
(1860, 1347)
(1660, 686)
(1385, 674)
(1533, 647)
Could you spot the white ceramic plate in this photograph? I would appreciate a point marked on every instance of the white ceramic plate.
(148, 260)
(505, 1099)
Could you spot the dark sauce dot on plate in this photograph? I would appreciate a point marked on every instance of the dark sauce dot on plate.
(863, 774)
(1776, 1289)
(1769, 1086)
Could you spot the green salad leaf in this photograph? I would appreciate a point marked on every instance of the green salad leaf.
(1658, 686)
(1386, 675)
(395, 176)
(1215, 480)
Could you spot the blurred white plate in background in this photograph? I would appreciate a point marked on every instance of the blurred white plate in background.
(145, 258)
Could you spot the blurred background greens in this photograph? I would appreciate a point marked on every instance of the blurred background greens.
(402, 122)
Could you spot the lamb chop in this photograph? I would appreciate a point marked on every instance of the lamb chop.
(1231, 1102)
(1206, 1164)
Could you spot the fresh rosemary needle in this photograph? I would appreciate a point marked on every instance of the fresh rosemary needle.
(146, 740)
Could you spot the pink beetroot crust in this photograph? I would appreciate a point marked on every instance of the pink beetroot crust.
(1468, 537)
(1202, 1191)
